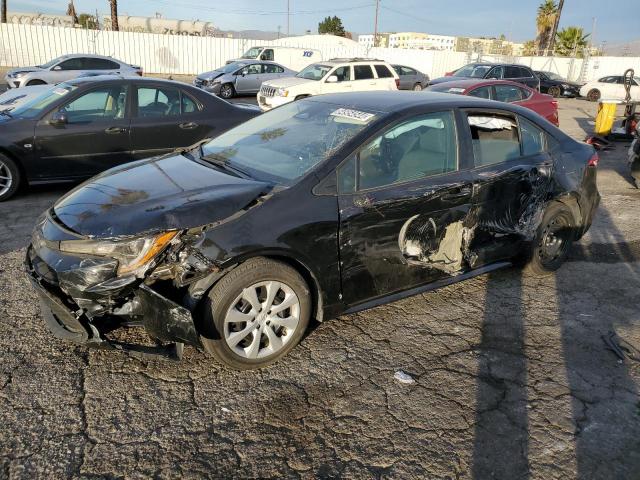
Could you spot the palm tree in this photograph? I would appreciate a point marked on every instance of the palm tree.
(529, 48)
(571, 40)
(545, 21)
(114, 15)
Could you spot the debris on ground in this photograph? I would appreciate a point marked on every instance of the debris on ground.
(403, 377)
(620, 347)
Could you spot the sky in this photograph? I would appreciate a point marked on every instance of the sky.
(513, 18)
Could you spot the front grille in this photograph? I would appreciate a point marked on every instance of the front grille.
(268, 91)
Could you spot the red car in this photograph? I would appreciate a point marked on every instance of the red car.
(503, 91)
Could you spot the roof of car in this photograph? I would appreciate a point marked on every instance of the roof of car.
(115, 77)
(394, 101)
(499, 64)
(90, 55)
(338, 61)
(474, 82)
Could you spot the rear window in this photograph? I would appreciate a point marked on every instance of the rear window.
(525, 72)
(362, 72)
(383, 71)
(512, 72)
(508, 93)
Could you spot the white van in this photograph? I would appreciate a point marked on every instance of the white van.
(291, 57)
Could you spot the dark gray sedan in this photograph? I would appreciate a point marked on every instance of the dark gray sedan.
(241, 78)
(410, 78)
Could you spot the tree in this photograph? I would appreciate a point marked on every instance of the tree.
(3, 11)
(114, 15)
(529, 48)
(570, 41)
(545, 21)
(71, 11)
(331, 25)
(87, 21)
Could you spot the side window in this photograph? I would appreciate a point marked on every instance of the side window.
(421, 147)
(525, 72)
(508, 93)
(511, 72)
(188, 104)
(273, 69)
(525, 93)
(494, 137)
(383, 71)
(362, 72)
(495, 72)
(72, 64)
(343, 73)
(533, 138)
(410, 71)
(254, 69)
(619, 80)
(481, 92)
(100, 64)
(267, 54)
(101, 104)
(158, 102)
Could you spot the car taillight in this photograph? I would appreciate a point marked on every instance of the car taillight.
(397, 83)
(593, 161)
(448, 74)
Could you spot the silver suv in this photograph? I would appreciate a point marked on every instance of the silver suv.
(66, 68)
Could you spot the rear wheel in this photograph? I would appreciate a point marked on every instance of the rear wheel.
(227, 91)
(256, 314)
(10, 178)
(35, 82)
(553, 239)
(593, 95)
(417, 87)
(554, 91)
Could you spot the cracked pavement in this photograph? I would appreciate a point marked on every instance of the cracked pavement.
(513, 379)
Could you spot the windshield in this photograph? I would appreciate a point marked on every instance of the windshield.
(282, 145)
(50, 63)
(473, 71)
(252, 52)
(554, 76)
(314, 72)
(36, 105)
(231, 67)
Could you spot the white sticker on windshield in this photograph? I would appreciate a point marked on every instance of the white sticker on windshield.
(363, 117)
(456, 90)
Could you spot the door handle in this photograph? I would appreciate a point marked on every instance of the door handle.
(188, 125)
(115, 130)
(460, 192)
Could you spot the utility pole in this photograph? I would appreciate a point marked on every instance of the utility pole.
(288, 14)
(3, 12)
(114, 15)
(375, 25)
(552, 40)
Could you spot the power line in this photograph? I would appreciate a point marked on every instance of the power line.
(410, 15)
(263, 12)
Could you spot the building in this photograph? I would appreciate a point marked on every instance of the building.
(488, 46)
(405, 39)
(367, 40)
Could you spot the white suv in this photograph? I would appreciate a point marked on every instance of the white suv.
(337, 75)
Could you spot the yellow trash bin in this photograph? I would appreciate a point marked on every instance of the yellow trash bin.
(605, 117)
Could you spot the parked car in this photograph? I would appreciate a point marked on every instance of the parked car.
(410, 78)
(337, 75)
(326, 206)
(240, 78)
(82, 127)
(13, 97)
(504, 91)
(68, 67)
(557, 86)
(497, 71)
(293, 58)
(610, 87)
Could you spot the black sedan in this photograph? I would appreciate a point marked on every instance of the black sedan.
(557, 86)
(82, 127)
(329, 205)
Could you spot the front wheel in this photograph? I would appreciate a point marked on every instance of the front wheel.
(10, 178)
(227, 91)
(417, 87)
(554, 92)
(593, 95)
(553, 239)
(256, 314)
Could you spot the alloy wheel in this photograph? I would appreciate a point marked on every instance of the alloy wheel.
(417, 87)
(554, 91)
(262, 319)
(226, 91)
(6, 179)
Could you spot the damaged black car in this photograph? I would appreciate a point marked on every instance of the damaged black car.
(325, 206)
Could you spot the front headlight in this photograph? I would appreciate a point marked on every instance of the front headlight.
(283, 92)
(132, 254)
(19, 74)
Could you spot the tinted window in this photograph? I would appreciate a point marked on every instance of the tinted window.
(273, 69)
(508, 93)
(100, 64)
(481, 92)
(525, 93)
(99, 104)
(343, 73)
(496, 72)
(267, 54)
(383, 71)
(524, 72)
(472, 70)
(254, 69)
(511, 72)
(421, 147)
(72, 64)
(158, 101)
(188, 104)
(495, 138)
(409, 71)
(532, 137)
(362, 72)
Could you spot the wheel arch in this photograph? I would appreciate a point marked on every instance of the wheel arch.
(571, 201)
(23, 172)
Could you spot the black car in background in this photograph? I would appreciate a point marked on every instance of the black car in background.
(557, 86)
(331, 204)
(79, 128)
(499, 71)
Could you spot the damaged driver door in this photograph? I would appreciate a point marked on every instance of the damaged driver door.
(403, 204)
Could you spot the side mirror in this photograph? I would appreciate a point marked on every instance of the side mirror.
(57, 67)
(332, 79)
(58, 119)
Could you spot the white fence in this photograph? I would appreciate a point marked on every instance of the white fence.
(22, 45)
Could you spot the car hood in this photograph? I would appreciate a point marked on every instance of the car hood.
(211, 74)
(165, 193)
(289, 82)
(436, 81)
(24, 70)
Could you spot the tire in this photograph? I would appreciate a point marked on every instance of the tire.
(231, 298)
(417, 87)
(555, 92)
(10, 178)
(35, 82)
(593, 95)
(227, 91)
(557, 224)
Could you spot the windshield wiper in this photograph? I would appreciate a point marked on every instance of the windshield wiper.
(223, 163)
